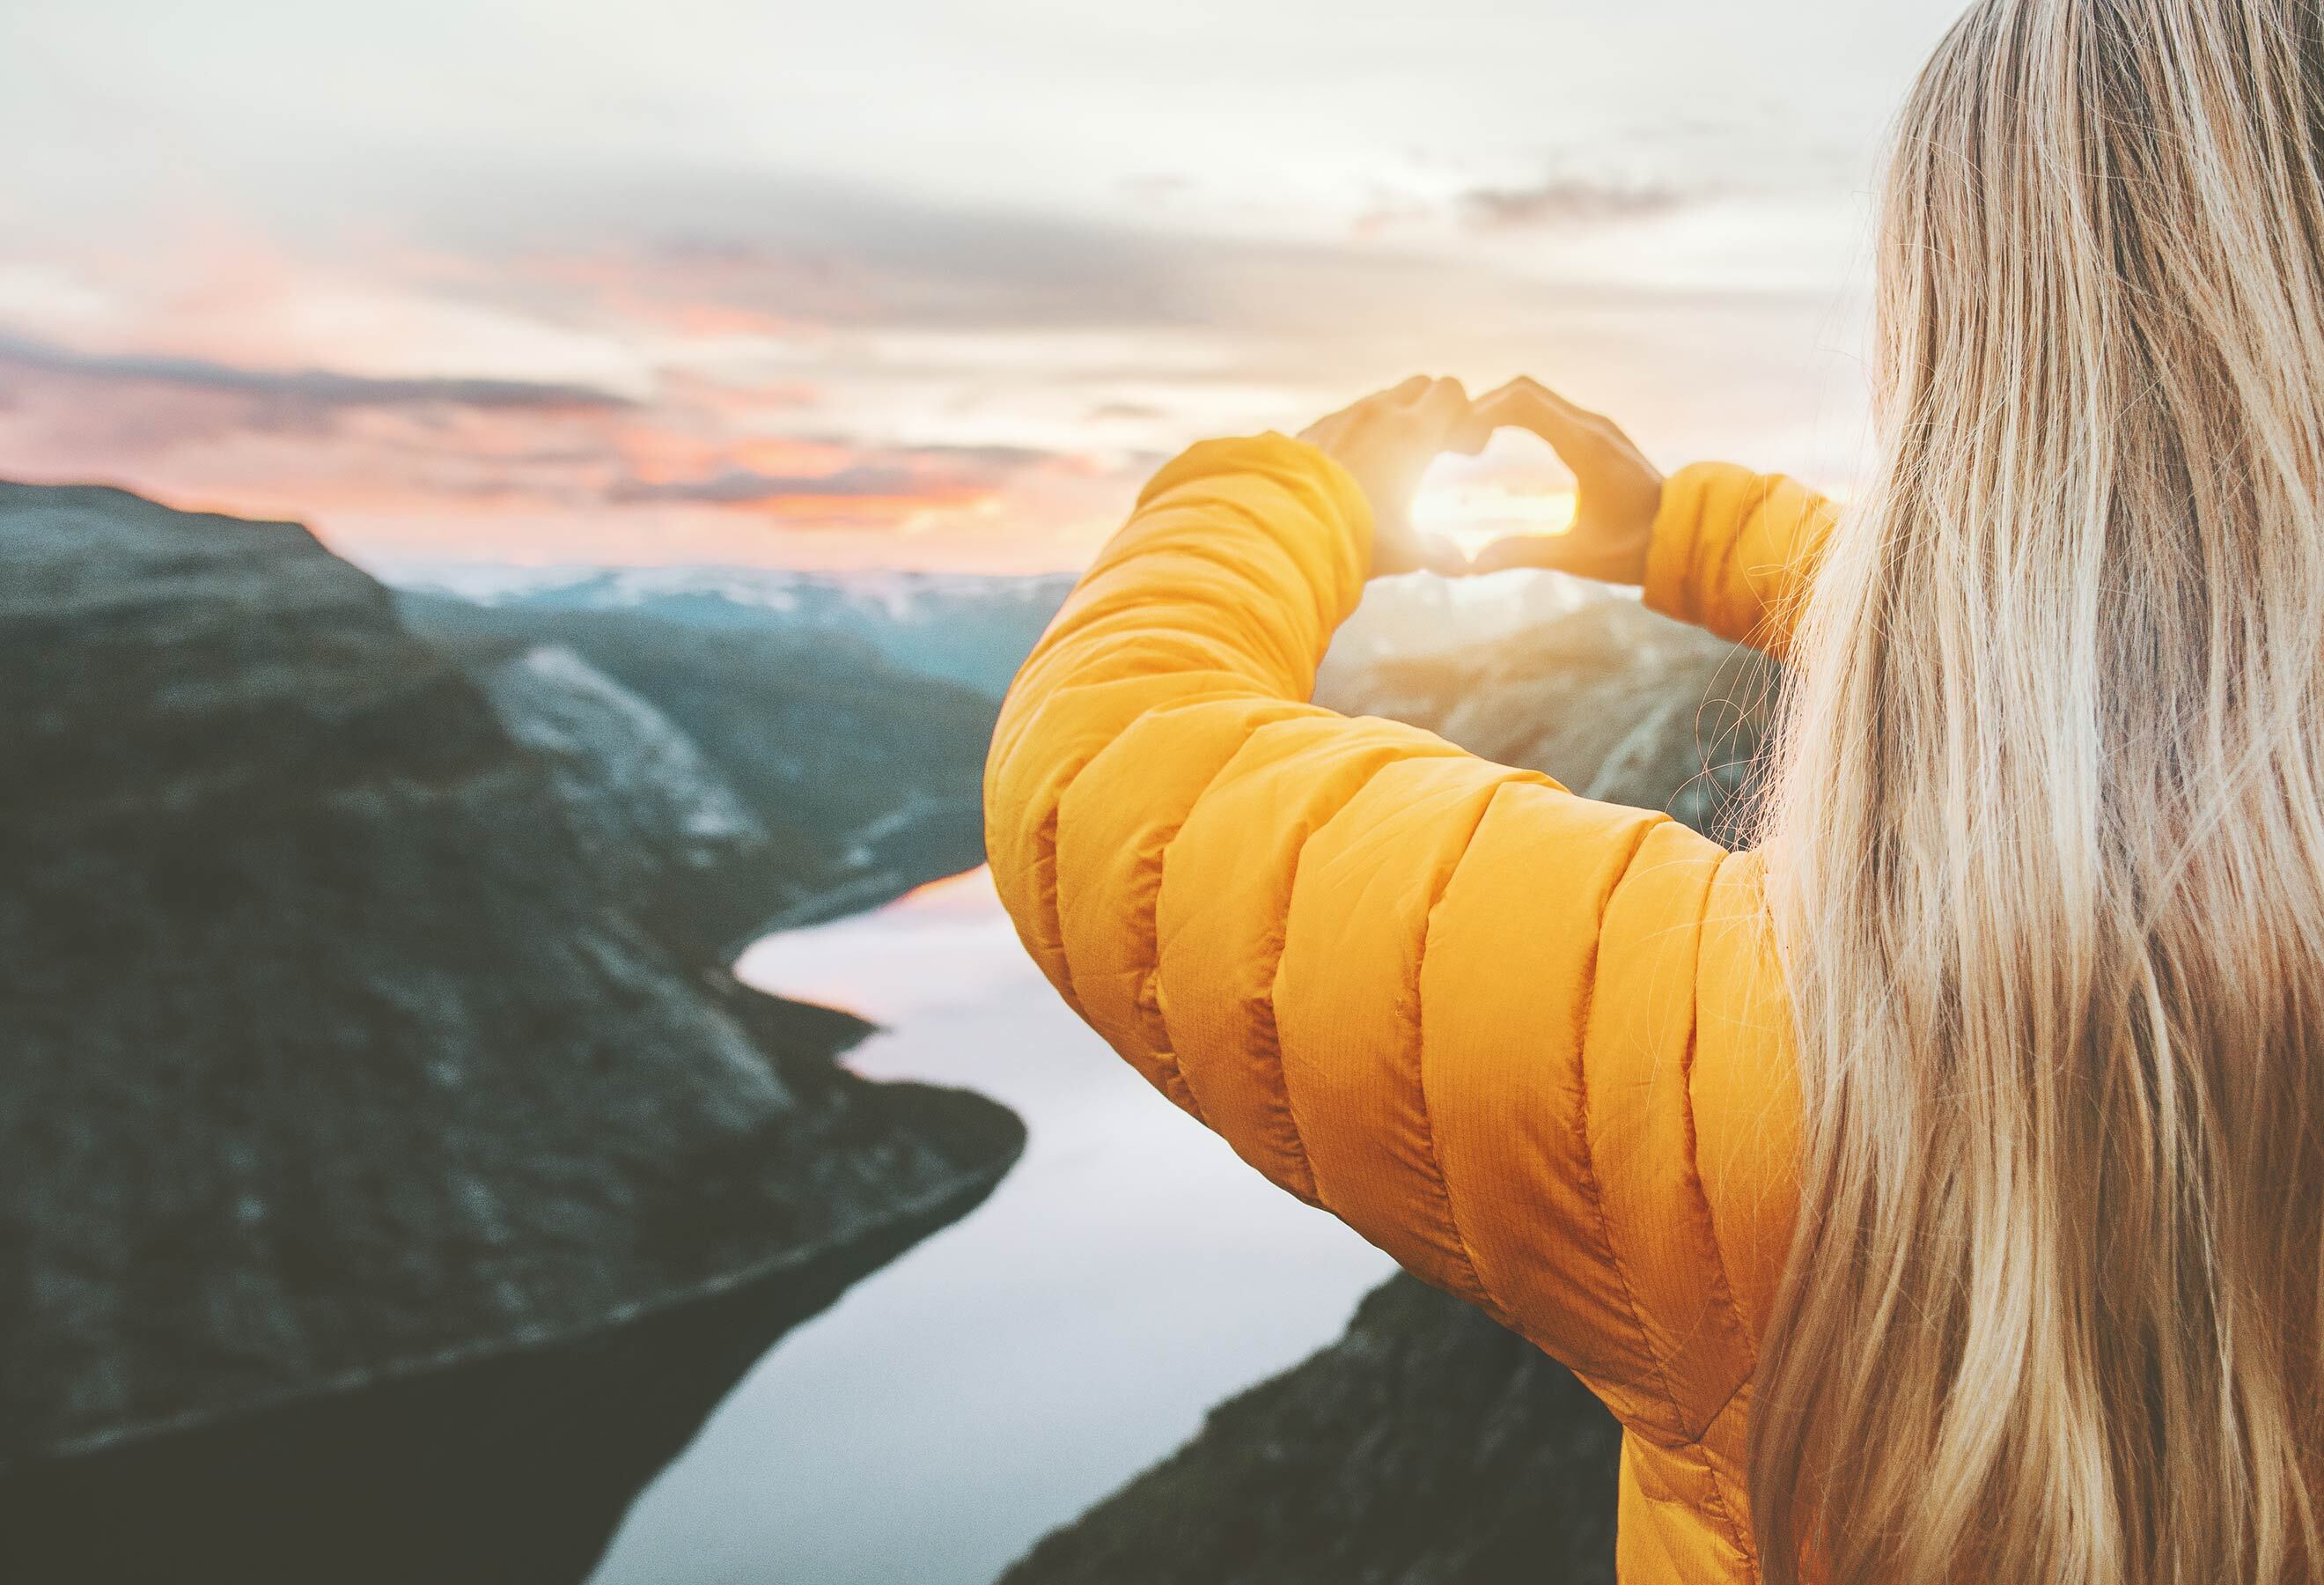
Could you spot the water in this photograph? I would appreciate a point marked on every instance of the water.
(1019, 1365)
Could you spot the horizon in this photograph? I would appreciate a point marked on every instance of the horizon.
(588, 285)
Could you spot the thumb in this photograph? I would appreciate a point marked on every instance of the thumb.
(1442, 413)
(1525, 403)
(1468, 434)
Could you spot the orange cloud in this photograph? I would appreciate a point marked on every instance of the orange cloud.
(517, 472)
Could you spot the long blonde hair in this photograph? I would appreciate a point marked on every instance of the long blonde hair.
(2047, 845)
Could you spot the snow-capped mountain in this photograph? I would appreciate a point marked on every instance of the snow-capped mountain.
(962, 627)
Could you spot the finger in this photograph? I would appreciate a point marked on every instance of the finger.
(1524, 386)
(1554, 551)
(1440, 407)
(1366, 406)
(1525, 403)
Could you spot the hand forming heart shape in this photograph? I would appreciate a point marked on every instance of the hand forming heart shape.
(1388, 439)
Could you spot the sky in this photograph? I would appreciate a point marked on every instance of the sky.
(900, 283)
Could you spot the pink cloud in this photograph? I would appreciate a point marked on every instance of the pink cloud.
(508, 469)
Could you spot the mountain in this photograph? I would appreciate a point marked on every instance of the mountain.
(656, 817)
(865, 775)
(1617, 702)
(1429, 1446)
(1419, 617)
(389, 1181)
(864, 702)
(964, 628)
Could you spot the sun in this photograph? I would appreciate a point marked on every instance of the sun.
(1472, 513)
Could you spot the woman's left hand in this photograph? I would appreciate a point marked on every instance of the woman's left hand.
(1387, 441)
(1617, 492)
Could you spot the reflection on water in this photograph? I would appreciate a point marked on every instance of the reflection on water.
(1016, 1367)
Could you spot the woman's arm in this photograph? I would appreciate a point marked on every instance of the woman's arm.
(1735, 552)
(1447, 1000)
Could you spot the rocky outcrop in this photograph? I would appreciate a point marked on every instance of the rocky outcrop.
(864, 775)
(386, 1191)
(653, 813)
(1616, 701)
(1428, 1446)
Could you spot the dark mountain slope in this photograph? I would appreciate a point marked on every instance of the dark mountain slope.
(384, 1190)
(1428, 1444)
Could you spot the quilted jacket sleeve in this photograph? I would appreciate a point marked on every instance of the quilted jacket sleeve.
(1448, 1001)
(1735, 551)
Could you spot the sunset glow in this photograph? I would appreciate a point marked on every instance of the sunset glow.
(689, 297)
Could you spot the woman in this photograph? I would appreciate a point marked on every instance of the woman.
(1931, 1190)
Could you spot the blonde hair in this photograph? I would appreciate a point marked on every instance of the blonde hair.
(2046, 844)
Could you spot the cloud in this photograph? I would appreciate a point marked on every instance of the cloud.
(309, 389)
(760, 252)
(739, 487)
(768, 276)
(927, 475)
(816, 263)
(1155, 189)
(1113, 412)
(698, 357)
(1563, 200)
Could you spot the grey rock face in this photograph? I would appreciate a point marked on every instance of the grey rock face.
(864, 775)
(652, 812)
(1428, 1446)
(618, 755)
(1616, 701)
(381, 1183)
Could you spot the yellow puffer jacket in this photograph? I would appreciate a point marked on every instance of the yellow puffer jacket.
(1533, 1046)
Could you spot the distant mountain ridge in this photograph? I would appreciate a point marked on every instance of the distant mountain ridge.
(969, 628)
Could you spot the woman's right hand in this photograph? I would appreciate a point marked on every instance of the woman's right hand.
(1617, 491)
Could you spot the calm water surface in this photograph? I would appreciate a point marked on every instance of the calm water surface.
(1020, 1364)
